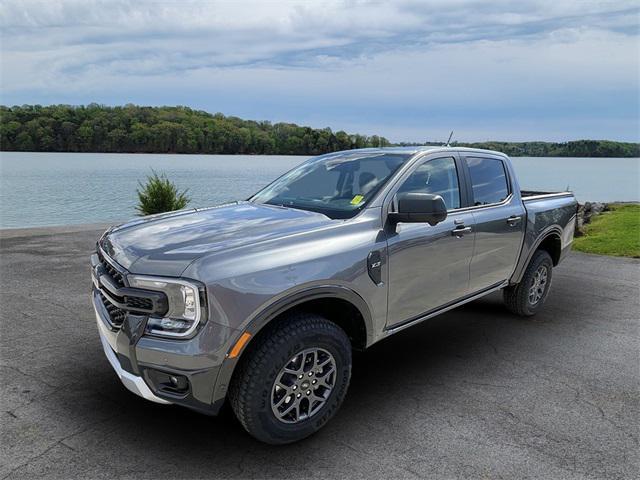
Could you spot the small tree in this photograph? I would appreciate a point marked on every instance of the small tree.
(160, 195)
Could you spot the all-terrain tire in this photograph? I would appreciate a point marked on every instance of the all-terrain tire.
(252, 387)
(521, 299)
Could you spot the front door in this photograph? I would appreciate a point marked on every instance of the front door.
(429, 265)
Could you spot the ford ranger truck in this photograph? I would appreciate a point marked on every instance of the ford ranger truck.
(262, 301)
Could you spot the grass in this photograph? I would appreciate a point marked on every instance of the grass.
(615, 232)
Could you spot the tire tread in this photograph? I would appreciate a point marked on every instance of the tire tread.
(516, 297)
(245, 385)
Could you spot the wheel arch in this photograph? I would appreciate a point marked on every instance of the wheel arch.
(339, 304)
(552, 244)
(550, 240)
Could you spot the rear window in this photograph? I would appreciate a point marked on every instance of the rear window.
(488, 179)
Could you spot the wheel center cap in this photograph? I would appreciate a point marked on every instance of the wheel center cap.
(305, 384)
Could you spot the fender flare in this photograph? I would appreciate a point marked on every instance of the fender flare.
(273, 310)
(553, 230)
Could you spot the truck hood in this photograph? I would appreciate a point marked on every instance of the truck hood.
(166, 244)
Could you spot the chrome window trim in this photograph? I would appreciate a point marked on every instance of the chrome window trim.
(506, 201)
(547, 195)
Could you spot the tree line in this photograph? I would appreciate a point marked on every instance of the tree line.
(576, 148)
(136, 129)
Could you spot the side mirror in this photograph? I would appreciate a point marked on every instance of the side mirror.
(417, 207)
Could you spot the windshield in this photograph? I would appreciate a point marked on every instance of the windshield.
(338, 185)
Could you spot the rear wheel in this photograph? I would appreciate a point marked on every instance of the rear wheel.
(528, 297)
(293, 380)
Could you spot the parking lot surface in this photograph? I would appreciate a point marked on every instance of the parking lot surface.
(474, 393)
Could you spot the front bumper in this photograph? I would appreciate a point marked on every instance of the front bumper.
(140, 360)
(133, 382)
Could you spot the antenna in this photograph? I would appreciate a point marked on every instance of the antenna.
(449, 141)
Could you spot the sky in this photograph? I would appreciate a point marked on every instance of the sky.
(553, 70)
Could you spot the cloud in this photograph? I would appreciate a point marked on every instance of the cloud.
(397, 68)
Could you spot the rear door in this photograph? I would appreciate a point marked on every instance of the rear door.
(499, 219)
(429, 265)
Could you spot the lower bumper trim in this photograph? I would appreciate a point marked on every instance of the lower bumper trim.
(132, 382)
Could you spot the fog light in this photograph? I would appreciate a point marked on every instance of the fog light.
(167, 382)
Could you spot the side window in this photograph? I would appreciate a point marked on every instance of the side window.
(488, 179)
(438, 176)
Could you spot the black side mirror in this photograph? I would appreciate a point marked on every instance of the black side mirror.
(418, 207)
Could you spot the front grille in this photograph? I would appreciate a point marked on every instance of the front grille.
(119, 299)
(116, 315)
(137, 302)
(115, 275)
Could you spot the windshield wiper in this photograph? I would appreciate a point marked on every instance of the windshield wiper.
(282, 205)
(304, 209)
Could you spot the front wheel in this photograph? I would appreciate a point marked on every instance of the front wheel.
(293, 380)
(527, 297)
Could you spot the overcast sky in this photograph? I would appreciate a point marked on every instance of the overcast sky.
(408, 70)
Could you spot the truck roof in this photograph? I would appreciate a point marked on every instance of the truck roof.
(424, 148)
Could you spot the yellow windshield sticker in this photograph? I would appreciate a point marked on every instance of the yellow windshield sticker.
(357, 200)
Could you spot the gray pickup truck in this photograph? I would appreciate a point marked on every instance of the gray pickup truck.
(262, 301)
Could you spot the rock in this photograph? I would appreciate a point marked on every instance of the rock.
(595, 208)
(586, 212)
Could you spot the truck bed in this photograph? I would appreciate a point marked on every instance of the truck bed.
(546, 212)
(528, 195)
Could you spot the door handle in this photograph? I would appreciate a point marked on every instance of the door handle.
(460, 231)
(513, 220)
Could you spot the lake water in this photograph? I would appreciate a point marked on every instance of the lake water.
(38, 189)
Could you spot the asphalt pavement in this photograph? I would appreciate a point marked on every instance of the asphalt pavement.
(474, 393)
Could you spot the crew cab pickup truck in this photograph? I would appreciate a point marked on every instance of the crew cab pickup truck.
(262, 301)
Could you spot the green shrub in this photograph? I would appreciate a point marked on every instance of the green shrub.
(160, 195)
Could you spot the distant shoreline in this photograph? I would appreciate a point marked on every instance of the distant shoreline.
(167, 130)
(268, 154)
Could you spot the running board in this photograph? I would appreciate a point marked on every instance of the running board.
(475, 296)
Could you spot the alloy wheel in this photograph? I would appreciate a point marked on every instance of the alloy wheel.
(539, 285)
(303, 385)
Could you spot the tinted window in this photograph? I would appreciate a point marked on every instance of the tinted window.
(488, 180)
(337, 185)
(439, 177)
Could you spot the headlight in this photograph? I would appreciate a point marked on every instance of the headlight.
(186, 305)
